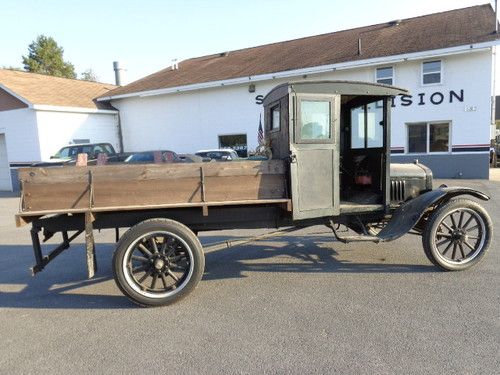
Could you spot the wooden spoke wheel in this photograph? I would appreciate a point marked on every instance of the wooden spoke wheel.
(158, 262)
(457, 235)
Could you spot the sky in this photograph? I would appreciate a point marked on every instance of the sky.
(145, 36)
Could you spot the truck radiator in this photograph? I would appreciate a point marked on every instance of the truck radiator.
(398, 191)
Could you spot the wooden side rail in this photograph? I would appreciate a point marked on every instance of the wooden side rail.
(119, 187)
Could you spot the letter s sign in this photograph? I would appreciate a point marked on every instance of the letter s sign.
(259, 99)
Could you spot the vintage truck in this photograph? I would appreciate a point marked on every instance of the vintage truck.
(329, 149)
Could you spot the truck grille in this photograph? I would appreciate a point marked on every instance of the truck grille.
(398, 191)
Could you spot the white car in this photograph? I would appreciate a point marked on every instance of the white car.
(225, 154)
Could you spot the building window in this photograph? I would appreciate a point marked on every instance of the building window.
(431, 72)
(428, 137)
(385, 75)
(275, 118)
(237, 142)
(417, 138)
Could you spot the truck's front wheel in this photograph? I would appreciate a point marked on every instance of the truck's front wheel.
(158, 262)
(457, 235)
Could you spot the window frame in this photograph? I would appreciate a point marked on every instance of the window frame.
(221, 147)
(298, 123)
(271, 119)
(392, 77)
(441, 73)
(428, 137)
(365, 110)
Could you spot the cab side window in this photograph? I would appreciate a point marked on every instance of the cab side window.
(315, 120)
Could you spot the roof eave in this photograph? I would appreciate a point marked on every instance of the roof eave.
(57, 108)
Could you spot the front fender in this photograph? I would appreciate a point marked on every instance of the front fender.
(454, 191)
(409, 213)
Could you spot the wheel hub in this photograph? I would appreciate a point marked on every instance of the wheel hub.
(159, 263)
(458, 236)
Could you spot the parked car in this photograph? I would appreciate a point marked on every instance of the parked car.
(219, 154)
(167, 156)
(67, 155)
(192, 158)
(70, 152)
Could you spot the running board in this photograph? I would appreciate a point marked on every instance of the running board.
(357, 238)
(360, 238)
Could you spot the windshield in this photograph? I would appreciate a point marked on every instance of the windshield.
(367, 130)
(62, 153)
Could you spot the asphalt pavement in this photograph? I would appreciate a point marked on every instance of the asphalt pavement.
(301, 303)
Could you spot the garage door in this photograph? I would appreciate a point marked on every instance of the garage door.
(5, 181)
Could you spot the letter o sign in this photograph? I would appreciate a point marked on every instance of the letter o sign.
(437, 98)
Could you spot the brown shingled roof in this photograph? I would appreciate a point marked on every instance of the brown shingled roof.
(56, 91)
(440, 30)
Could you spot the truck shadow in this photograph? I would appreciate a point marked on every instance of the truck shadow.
(311, 254)
(64, 283)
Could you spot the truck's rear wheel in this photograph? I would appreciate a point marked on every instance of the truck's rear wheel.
(457, 235)
(158, 262)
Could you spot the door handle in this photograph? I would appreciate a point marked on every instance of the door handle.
(293, 158)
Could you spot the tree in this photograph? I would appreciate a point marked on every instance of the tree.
(46, 57)
(89, 75)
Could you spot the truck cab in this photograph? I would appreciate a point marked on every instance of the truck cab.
(336, 136)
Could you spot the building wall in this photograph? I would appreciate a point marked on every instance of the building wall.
(470, 118)
(57, 129)
(188, 121)
(21, 135)
(5, 177)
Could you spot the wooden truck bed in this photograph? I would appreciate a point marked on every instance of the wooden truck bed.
(72, 189)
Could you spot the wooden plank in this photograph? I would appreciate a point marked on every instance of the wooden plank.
(25, 220)
(41, 197)
(71, 195)
(150, 171)
(138, 187)
(244, 187)
(50, 196)
(29, 215)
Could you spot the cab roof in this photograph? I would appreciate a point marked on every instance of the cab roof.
(333, 87)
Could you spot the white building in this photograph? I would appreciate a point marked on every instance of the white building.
(446, 60)
(39, 114)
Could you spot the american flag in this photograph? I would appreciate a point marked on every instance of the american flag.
(260, 133)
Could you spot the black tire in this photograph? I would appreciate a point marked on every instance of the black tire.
(457, 235)
(159, 252)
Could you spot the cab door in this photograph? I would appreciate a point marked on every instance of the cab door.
(314, 148)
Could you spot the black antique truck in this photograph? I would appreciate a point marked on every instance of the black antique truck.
(328, 145)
